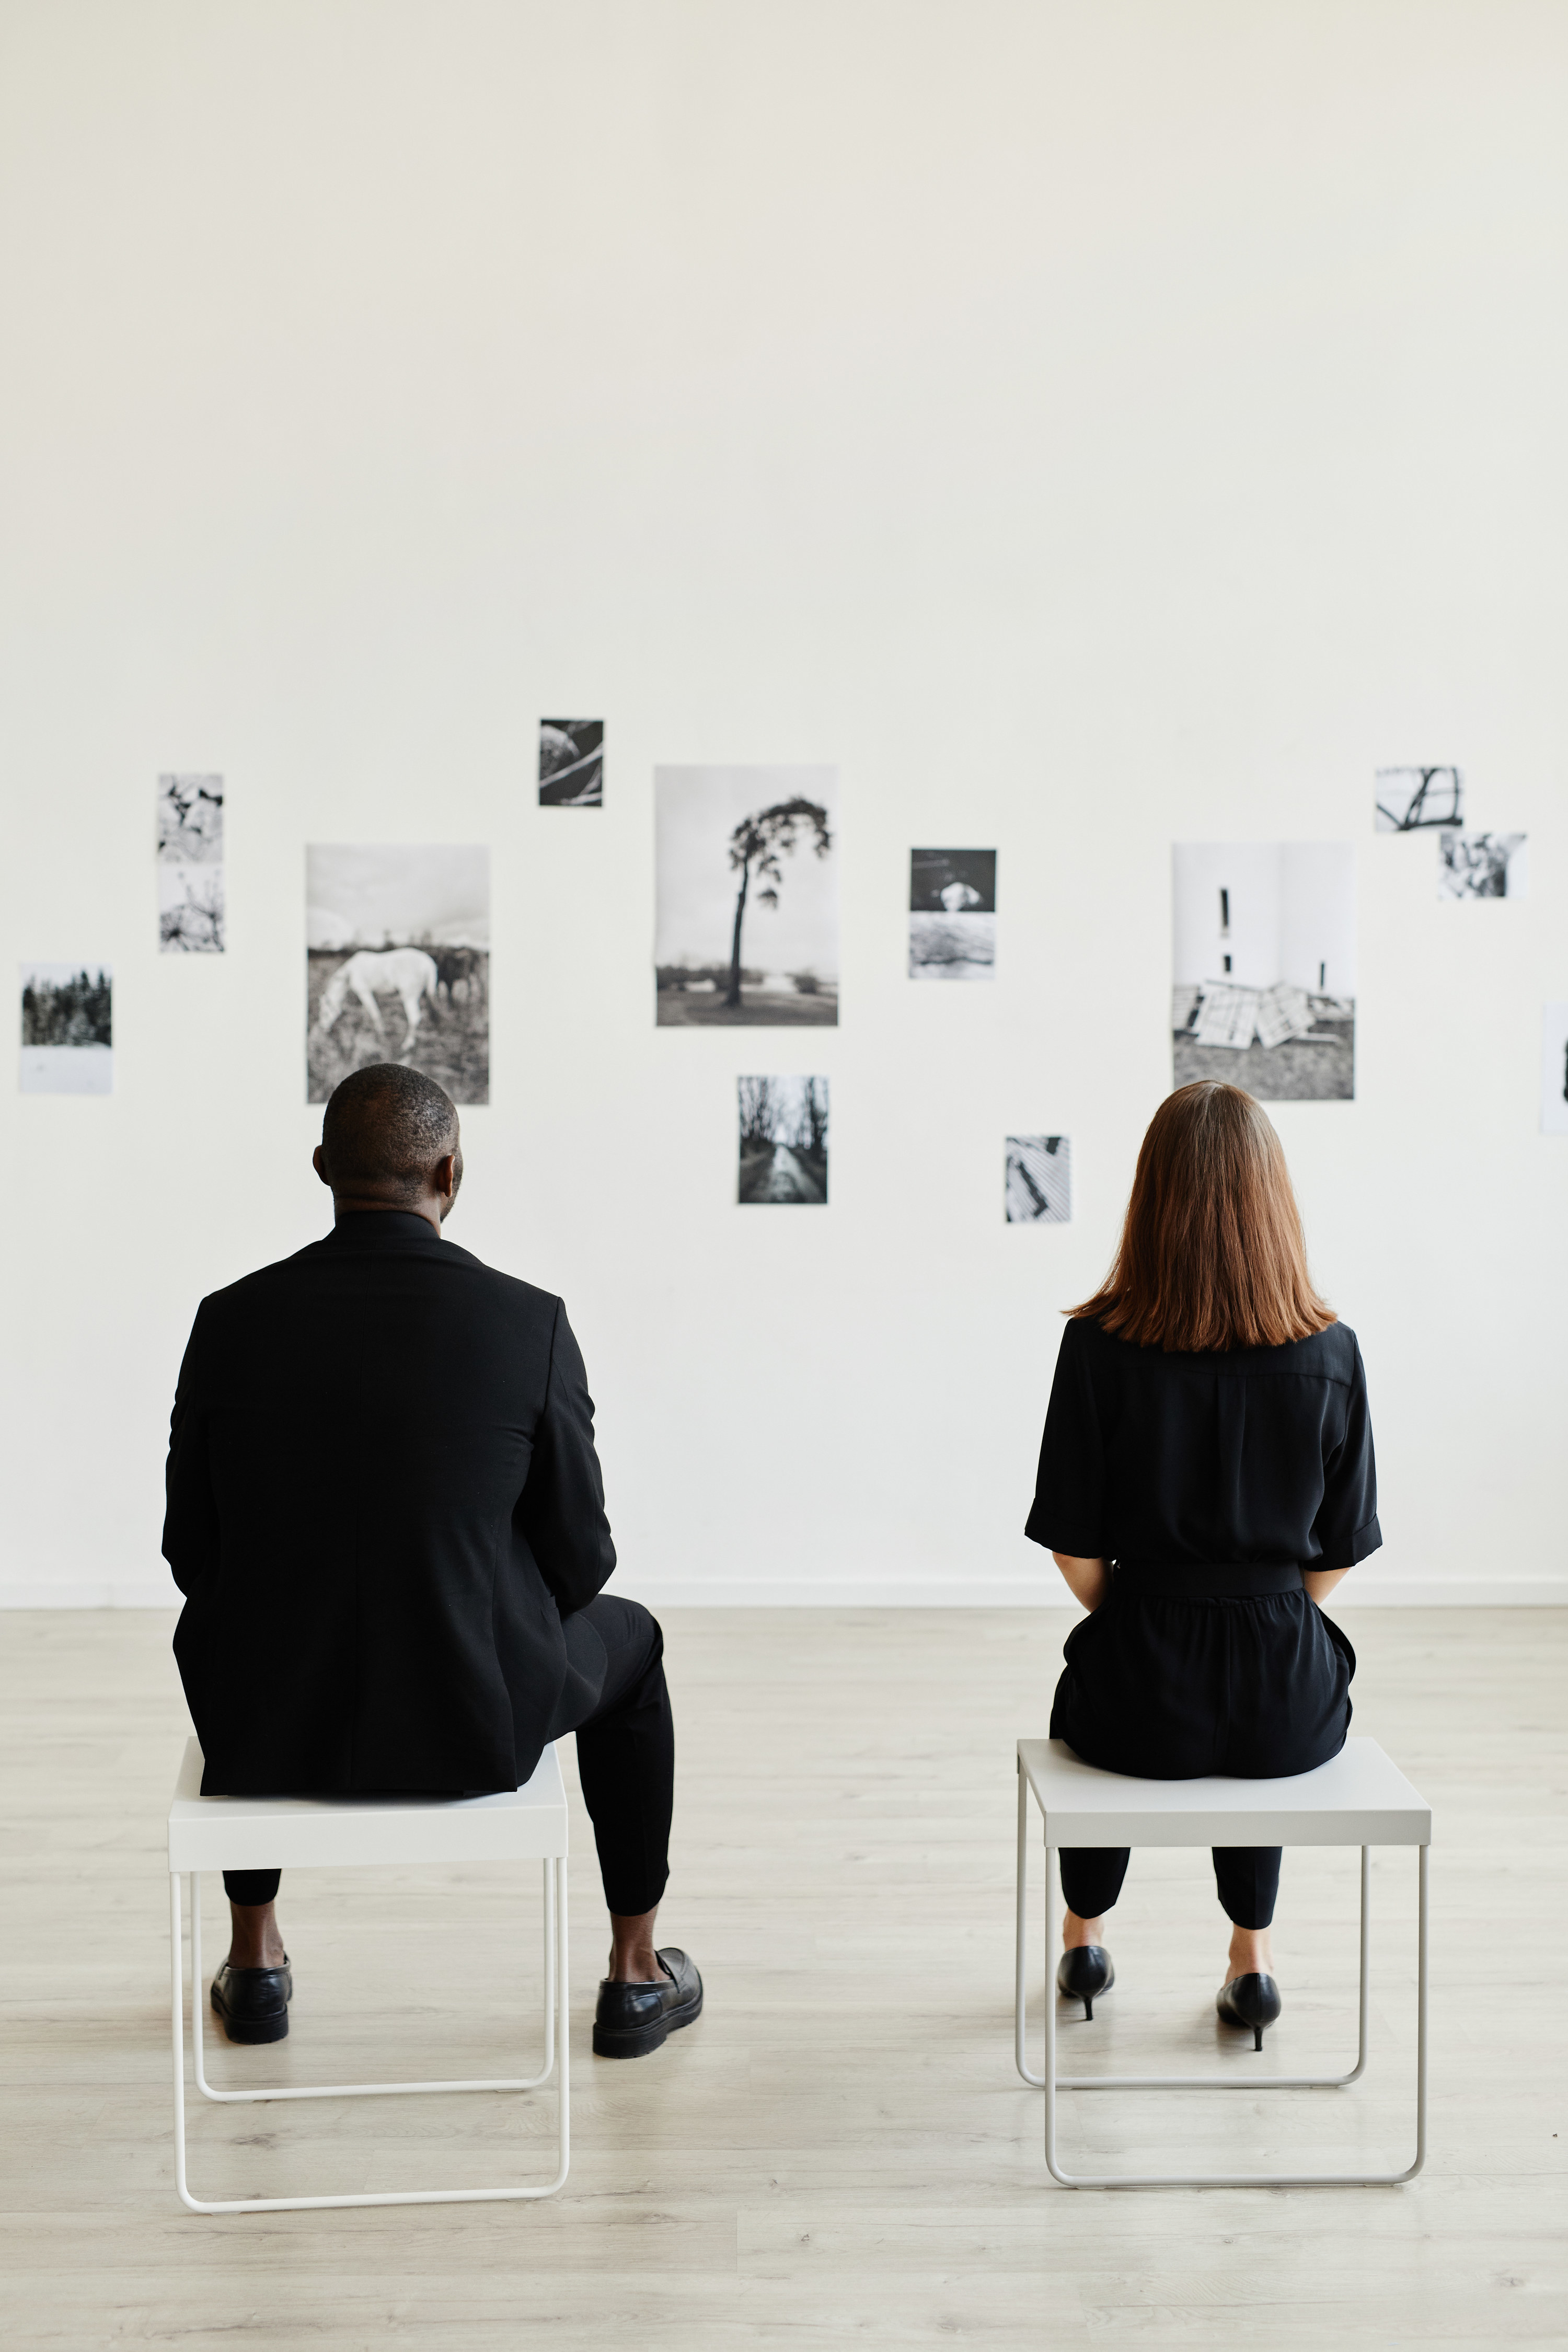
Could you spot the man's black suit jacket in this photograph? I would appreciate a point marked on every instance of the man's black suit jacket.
(382, 1497)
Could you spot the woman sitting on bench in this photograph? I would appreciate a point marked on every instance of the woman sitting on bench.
(1205, 1480)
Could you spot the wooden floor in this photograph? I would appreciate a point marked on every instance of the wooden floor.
(839, 2153)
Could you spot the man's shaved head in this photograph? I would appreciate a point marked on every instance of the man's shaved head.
(385, 1131)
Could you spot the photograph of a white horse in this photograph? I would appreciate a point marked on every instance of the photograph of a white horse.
(397, 956)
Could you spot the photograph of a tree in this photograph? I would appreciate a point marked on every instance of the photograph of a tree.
(754, 848)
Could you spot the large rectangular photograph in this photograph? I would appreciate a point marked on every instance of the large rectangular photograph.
(783, 1141)
(952, 914)
(397, 964)
(67, 1029)
(190, 865)
(1263, 967)
(746, 914)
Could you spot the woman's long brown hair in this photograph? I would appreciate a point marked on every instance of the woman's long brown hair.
(1211, 1256)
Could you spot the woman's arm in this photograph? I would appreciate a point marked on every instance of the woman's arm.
(1088, 1581)
(1320, 1581)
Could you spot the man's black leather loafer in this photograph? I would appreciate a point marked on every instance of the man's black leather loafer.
(633, 2019)
(253, 2002)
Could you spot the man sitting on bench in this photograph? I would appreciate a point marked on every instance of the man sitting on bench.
(387, 1515)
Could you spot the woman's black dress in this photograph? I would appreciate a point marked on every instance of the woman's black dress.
(1210, 1481)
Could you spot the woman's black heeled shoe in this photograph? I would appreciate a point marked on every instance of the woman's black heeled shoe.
(1084, 1973)
(1250, 2003)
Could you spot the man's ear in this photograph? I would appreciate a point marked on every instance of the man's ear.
(319, 1165)
(443, 1174)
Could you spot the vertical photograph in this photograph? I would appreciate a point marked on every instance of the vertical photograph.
(1481, 864)
(1554, 1069)
(1409, 799)
(784, 1141)
(746, 906)
(190, 865)
(952, 914)
(1263, 967)
(571, 763)
(1038, 1185)
(67, 1029)
(397, 964)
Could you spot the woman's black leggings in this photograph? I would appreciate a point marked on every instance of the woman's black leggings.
(1248, 1878)
(617, 1702)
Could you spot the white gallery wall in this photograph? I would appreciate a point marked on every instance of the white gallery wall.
(1087, 429)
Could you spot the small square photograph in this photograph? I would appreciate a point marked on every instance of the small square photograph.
(190, 865)
(1554, 1069)
(571, 763)
(1263, 945)
(67, 1029)
(952, 914)
(746, 897)
(1039, 1180)
(397, 964)
(1481, 864)
(784, 1141)
(1410, 798)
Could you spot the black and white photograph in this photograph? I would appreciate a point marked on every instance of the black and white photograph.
(1410, 799)
(1554, 1069)
(1263, 967)
(190, 865)
(1481, 864)
(67, 1029)
(1038, 1189)
(952, 914)
(398, 955)
(783, 1141)
(571, 763)
(746, 918)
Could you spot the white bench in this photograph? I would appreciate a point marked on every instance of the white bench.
(342, 1833)
(1358, 1798)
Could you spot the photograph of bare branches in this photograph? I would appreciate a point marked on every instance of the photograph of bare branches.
(784, 1141)
(571, 763)
(1481, 864)
(952, 914)
(1263, 967)
(746, 922)
(190, 865)
(1411, 798)
(67, 1029)
(397, 964)
(1037, 1190)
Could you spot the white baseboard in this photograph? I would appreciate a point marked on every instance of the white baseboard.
(1360, 1590)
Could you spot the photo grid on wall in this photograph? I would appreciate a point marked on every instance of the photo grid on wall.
(397, 964)
(190, 865)
(67, 1029)
(783, 1142)
(1264, 968)
(746, 897)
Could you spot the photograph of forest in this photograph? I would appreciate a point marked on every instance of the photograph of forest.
(784, 1141)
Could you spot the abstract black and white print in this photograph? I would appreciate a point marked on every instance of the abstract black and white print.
(190, 865)
(746, 920)
(1263, 967)
(783, 1141)
(67, 1029)
(1408, 799)
(952, 914)
(571, 763)
(1481, 864)
(1554, 1069)
(397, 956)
(1038, 1189)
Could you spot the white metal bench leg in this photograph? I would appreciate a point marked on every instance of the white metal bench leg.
(557, 2053)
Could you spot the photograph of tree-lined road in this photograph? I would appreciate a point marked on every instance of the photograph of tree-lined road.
(746, 927)
(784, 1141)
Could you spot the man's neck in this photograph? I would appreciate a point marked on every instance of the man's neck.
(351, 1206)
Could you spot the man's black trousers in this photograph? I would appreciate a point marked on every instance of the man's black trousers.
(617, 1702)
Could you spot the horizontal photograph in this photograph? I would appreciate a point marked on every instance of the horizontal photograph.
(1481, 864)
(397, 964)
(952, 914)
(1263, 967)
(783, 1141)
(746, 897)
(571, 763)
(1038, 1187)
(67, 1029)
(1409, 799)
